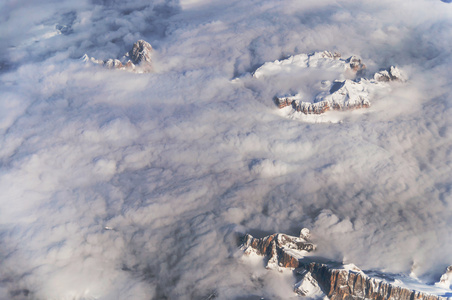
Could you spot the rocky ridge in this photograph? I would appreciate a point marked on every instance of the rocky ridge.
(345, 283)
(342, 94)
(320, 277)
(283, 250)
(138, 59)
(318, 60)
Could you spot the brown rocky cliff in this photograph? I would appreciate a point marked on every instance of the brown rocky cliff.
(278, 248)
(345, 284)
(141, 52)
(334, 279)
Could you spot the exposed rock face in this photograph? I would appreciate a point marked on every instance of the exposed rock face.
(287, 101)
(356, 64)
(283, 250)
(335, 280)
(141, 53)
(342, 95)
(308, 287)
(354, 284)
(139, 62)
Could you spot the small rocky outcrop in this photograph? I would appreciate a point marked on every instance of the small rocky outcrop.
(356, 64)
(390, 74)
(138, 59)
(332, 55)
(320, 278)
(339, 283)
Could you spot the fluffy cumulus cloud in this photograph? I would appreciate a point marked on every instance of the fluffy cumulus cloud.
(116, 185)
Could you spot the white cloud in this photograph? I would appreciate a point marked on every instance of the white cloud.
(133, 186)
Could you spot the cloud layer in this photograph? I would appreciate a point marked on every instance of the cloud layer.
(136, 186)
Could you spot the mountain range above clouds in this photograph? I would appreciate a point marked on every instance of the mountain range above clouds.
(137, 60)
(116, 185)
(351, 90)
(319, 277)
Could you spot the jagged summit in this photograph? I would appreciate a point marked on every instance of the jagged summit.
(283, 250)
(320, 277)
(356, 64)
(141, 52)
(390, 74)
(138, 59)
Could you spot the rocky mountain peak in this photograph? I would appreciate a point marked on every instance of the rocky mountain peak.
(141, 52)
(138, 59)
